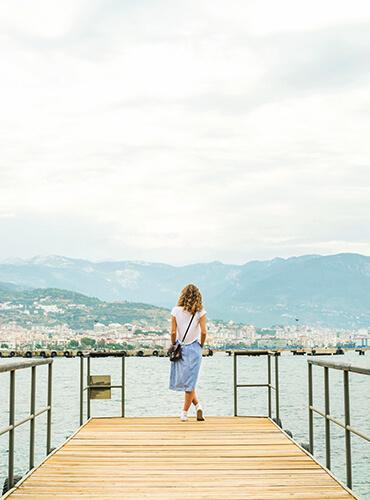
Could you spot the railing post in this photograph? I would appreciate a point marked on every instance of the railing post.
(327, 413)
(277, 400)
(33, 418)
(269, 383)
(310, 411)
(88, 387)
(50, 393)
(81, 390)
(11, 431)
(347, 422)
(123, 387)
(235, 386)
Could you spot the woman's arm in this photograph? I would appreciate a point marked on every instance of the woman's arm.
(173, 330)
(203, 329)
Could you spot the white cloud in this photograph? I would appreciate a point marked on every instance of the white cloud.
(40, 18)
(296, 16)
(184, 132)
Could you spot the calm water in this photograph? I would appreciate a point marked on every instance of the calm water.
(147, 394)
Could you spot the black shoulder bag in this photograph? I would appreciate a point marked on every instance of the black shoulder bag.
(175, 351)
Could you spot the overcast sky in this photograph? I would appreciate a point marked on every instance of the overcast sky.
(184, 131)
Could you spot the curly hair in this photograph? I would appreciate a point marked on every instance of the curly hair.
(190, 299)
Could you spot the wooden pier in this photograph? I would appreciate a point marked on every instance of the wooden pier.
(223, 458)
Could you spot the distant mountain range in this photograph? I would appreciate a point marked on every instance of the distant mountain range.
(328, 290)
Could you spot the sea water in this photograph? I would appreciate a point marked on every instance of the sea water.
(147, 393)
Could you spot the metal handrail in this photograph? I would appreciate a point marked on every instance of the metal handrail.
(19, 365)
(89, 386)
(269, 385)
(346, 368)
(11, 368)
(340, 366)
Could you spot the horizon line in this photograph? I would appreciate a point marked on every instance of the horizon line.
(14, 260)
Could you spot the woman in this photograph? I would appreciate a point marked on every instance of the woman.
(189, 318)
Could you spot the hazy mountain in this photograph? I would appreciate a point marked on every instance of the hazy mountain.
(11, 287)
(53, 307)
(331, 290)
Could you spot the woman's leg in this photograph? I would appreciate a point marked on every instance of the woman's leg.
(190, 397)
(195, 398)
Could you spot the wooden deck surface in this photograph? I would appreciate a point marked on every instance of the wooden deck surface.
(223, 458)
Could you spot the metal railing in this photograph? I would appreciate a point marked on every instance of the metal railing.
(88, 387)
(270, 387)
(11, 368)
(346, 425)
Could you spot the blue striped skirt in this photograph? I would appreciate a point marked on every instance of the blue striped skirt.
(184, 373)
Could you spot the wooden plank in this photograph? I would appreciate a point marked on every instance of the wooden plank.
(223, 458)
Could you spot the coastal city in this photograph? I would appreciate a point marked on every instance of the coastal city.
(221, 335)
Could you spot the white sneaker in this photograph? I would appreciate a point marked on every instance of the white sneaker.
(200, 416)
(183, 416)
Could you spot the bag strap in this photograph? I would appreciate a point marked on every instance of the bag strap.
(188, 327)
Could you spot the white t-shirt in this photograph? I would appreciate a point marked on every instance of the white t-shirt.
(183, 319)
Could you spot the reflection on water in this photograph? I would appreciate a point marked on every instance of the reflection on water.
(147, 394)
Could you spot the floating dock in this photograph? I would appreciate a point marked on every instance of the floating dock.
(223, 458)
